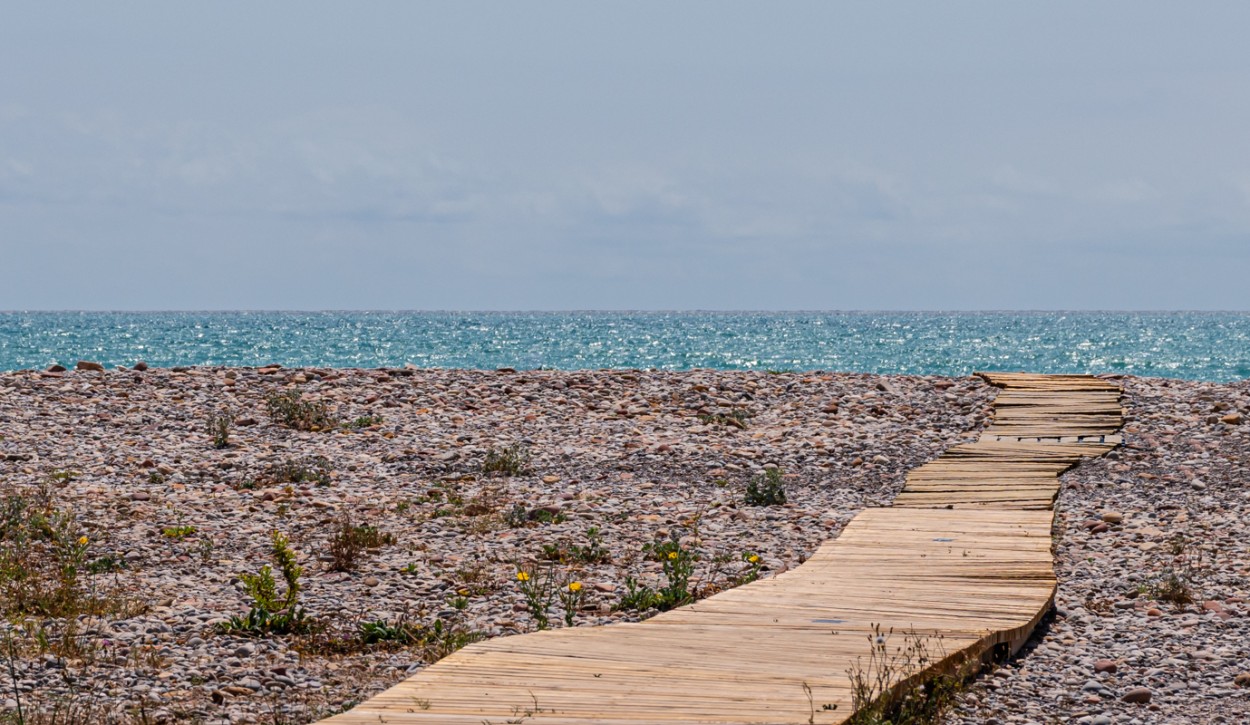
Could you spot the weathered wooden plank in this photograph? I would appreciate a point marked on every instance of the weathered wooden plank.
(962, 554)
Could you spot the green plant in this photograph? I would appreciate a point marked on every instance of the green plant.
(291, 410)
(751, 571)
(309, 469)
(178, 532)
(517, 516)
(350, 542)
(637, 597)
(271, 613)
(897, 684)
(677, 563)
(571, 595)
(218, 425)
(402, 632)
(513, 460)
(539, 591)
(593, 552)
(1176, 583)
(766, 489)
(365, 421)
(736, 418)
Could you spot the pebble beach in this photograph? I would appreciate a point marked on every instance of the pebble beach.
(613, 460)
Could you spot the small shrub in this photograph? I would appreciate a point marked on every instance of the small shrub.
(365, 421)
(637, 597)
(736, 418)
(766, 489)
(678, 567)
(271, 613)
(513, 460)
(401, 632)
(539, 590)
(44, 568)
(922, 701)
(291, 410)
(310, 469)
(1177, 582)
(350, 542)
(593, 552)
(218, 425)
(178, 532)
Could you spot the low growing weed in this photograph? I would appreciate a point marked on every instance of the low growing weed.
(766, 489)
(291, 410)
(271, 613)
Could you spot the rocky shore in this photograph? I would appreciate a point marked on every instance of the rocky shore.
(457, 480)
(1153, 561)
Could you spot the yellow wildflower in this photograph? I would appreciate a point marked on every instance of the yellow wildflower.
(82, 541)
(463, 592)
(672, 555)
(754, 558)
(522, 576)
(575, 586)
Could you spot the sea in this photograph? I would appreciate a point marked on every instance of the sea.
(1213, 346)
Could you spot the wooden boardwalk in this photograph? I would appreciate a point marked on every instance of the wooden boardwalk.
(964, 553)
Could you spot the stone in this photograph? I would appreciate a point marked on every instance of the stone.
(372, 581)
(140, 496)
(1105, 666)
(1242, 680)
(551, 479)
(1231, 419)
(94, 367)
(219, 696)
(56, 368)
(1154, 612)
(1137, 696)
(1099, 527)
(140, 366)
(1113, 517)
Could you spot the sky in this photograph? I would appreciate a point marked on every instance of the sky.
(642, 155)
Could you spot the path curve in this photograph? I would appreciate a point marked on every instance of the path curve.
(963, 553)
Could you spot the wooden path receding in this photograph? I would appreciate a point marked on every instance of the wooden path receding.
(964, 553)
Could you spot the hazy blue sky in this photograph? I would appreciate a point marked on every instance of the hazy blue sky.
(716, 155)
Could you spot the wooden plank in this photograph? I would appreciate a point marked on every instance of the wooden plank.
(963, 553)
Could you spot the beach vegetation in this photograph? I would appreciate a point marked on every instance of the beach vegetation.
(511, 460)
(1176, 583)
(271, 612)
(290, 409)
(766, 489)
(45, 567)
(365, 421)
(178, 532)
(898, 685)
(571, 594)
(309, 469)
(218, 425)
(591, 552)
(539, 589)
(736, 418)
(350, 542)
(677, 565)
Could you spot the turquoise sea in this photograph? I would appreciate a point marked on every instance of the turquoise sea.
(1194, 345)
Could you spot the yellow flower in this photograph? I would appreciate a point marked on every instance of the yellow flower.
(463, 592)
(522, 576)
(672, 554)
(575, 586)
(754, 558)
(82, 541)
